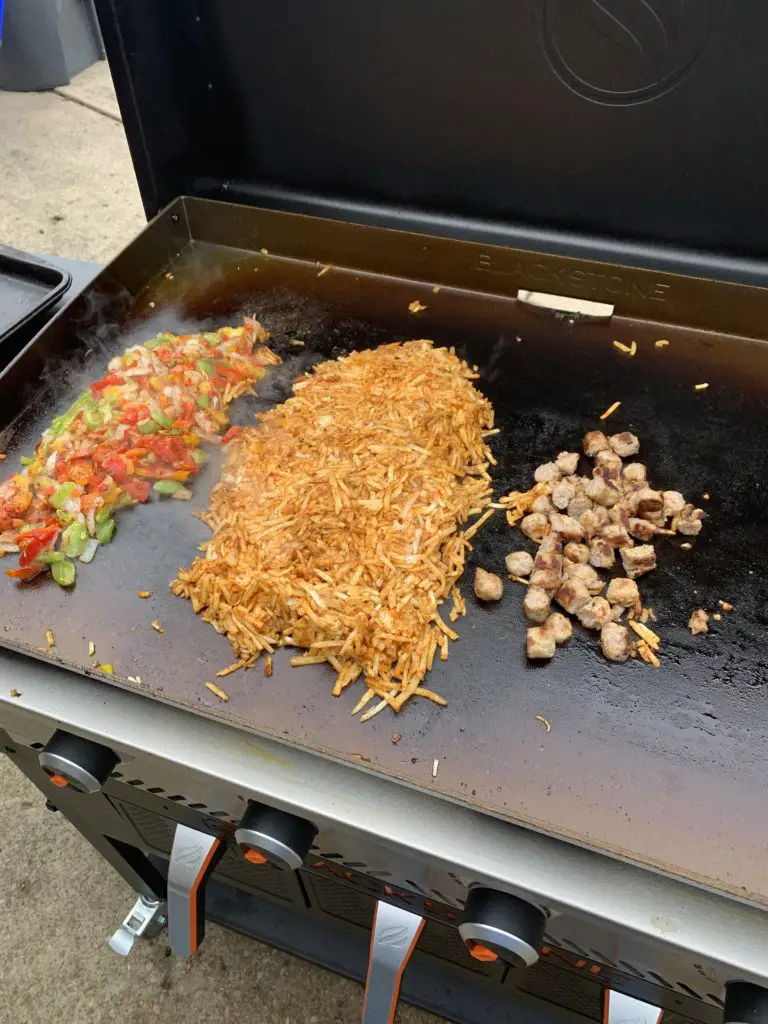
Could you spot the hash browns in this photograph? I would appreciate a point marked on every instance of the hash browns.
(337, 520)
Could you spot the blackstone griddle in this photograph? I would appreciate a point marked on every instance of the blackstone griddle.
(622, 848)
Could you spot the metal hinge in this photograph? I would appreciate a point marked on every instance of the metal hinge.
(146, 919)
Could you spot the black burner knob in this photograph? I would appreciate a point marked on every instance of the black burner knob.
(81, 764)
(265, 834)
(745, 1003)
(497, 926)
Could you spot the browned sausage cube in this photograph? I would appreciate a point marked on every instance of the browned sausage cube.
(674, 503)
(539, 644)
(615, 642)
(602, 492)
(562, 494)
(519, 563)
(488, 586)
(567, 463)
(634, 475)
(569, 529)
(536, 526)
(548, 473)
(585, 574)
(623, 591)
(536, 604)
(595, 441)
(649, 504)
(542, 504)
(595, 613)
(638, 561)
(572, 595)
(615, 534)
(601, 554)
(560, 627)
(641, 529)
(576, 553)
(578, 505)
(624, 444)
(546, 579)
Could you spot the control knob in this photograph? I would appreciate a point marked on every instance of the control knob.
(81, 764)
(497, 926)
(266, 834)
(745, 1003)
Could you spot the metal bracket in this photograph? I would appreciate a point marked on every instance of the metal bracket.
(194, 855)
(395, 934)
(146, 919)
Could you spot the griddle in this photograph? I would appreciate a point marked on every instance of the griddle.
(666, 766)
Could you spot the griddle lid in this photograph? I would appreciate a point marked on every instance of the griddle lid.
(626, 130)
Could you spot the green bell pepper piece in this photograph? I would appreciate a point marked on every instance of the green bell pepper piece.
(64, 573)
(61, 494)
(167, 487)
(74, 540)
(105, 531)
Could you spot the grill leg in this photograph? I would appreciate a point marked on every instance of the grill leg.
(394, 937)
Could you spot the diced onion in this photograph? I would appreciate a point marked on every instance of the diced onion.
(90, 550)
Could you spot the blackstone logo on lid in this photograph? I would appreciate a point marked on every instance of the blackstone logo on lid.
(624, 52)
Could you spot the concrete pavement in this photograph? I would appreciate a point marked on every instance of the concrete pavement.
(67, 187)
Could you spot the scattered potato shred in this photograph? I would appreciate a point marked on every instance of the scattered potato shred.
(337, 524)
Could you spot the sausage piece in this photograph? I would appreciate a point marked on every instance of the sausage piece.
(488, 586)
(542, 504)
(548, 473)
(584, 574)
(578, 505)
(615, 534)
(562, 494)
(641, 529)
(572, 595)
(634, 475)
(592, 520)
(615, 642)
(574, 552)
(623, 591)
(519, 563)
(560, 627)
(601, 554)
(539, 644)
(674, 503)
(602, 492)
(649, 504)
(567, 463)
(638, 561)
(536, 604)
(568, 528)
(624, 444)
(595, 613)
(595, 441)
(535, 526)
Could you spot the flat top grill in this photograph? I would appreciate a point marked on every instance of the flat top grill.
(662, 766)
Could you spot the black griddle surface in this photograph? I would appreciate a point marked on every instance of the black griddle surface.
(666, 766)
